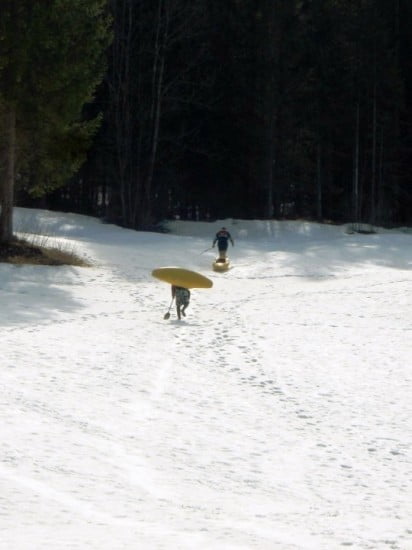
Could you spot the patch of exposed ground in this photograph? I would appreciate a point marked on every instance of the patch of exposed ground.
(22, 252)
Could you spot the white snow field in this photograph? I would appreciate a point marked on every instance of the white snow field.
(276, 416)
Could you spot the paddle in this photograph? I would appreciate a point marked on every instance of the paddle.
(167, 314)
(210, 248)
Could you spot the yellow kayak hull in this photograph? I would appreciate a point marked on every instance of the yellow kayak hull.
(179, 276)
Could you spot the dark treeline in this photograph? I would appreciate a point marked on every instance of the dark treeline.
(252, 109)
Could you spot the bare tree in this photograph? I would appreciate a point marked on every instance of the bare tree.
(8, 176)
(152, 74)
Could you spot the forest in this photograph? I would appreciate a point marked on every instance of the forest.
(204, 109)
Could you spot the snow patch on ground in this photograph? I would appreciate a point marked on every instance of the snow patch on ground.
(276, 415)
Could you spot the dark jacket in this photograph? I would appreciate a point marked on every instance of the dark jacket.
(222, 239)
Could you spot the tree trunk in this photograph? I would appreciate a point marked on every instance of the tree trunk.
(267, 207)
(7, 183)
(373, 175)
(374, 130)
(356, 208)
(380, 197)
(119, 87)
(319, 213)
(156, 106)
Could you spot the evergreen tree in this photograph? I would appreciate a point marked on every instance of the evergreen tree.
(52, 56)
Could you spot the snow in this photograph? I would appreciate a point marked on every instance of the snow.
(276, 415)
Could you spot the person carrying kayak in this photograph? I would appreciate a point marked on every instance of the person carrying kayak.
(182, 297)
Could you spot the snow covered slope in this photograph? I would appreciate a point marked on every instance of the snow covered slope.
(276, 415)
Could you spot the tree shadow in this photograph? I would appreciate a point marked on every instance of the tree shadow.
(34, 294)
(313, 255)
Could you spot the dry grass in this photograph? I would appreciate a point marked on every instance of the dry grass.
(23, 252)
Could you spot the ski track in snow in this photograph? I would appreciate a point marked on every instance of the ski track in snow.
(276, 415)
